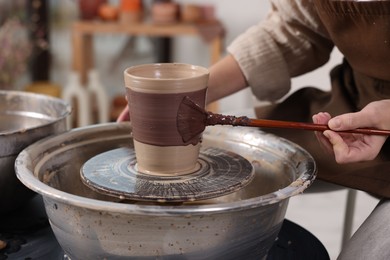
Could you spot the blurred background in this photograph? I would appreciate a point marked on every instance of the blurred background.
(48, 24)
(40, 52)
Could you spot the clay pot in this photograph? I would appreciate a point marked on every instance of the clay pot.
(108, 12)
(130, 11)
(89, 8)
(159, 146)
(191, 13)
(165, 12)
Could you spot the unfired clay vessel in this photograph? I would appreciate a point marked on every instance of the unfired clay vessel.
(154, 93)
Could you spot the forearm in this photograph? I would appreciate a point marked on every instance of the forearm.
(226, 78)
(289, 42)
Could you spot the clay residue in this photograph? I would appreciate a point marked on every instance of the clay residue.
(218, 119)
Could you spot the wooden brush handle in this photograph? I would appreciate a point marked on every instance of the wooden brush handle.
(312, 127)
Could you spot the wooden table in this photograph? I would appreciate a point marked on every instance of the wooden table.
(83, 32)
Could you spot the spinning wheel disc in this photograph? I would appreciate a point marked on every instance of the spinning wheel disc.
(115, 173)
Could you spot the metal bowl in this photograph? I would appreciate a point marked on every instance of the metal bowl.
(24, 119)
(241, 225)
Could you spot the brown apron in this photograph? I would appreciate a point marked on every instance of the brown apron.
(361, 31)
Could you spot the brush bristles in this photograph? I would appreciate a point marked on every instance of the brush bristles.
(191, 119)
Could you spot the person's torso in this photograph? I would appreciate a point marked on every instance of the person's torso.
(361, 31)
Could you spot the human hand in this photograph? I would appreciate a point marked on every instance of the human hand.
(347, 147)
(124, 115)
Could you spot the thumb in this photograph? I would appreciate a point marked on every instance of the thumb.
(348, 121)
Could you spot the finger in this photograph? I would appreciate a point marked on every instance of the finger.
(321, 118)
(324, 142)
(124, 115)
(349, 149)
(350, 121)
(340, 148)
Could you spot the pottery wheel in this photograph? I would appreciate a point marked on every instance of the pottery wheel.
(114, 173)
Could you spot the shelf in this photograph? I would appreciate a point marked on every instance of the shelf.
(141, 28)
(82, 32)
(82, 45)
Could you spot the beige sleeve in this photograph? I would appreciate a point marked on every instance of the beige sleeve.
(289, 42)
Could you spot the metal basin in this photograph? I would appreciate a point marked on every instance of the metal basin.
(24, 119)
(241, 225)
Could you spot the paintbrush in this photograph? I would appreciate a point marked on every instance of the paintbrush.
(193, 119)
